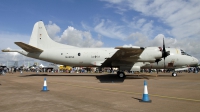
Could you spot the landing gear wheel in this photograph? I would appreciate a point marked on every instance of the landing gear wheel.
(121, 74)
(174, 74)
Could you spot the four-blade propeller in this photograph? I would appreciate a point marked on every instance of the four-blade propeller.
(164, 54)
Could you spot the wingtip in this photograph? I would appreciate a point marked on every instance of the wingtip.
(118, 47)
(5, 50)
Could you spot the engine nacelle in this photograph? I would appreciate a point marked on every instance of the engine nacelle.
(150, 54)
(135, 68)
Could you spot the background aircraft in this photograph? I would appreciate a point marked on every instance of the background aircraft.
(42, 47)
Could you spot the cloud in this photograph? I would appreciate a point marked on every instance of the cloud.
(153, 20)
(182, 16)
(7, 42)
(11, 56)
(138, 38)
(7, 39)
(190, 46)
(52, 29)
(85, 26)
(144, 26)
(110, 29)
(72, 36)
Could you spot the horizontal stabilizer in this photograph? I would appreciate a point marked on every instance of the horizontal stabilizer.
(28, 48)
(9, 50)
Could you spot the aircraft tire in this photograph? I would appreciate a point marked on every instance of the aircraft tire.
(174, 74)
(121, 74)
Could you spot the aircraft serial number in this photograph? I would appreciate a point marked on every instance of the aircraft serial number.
(95, 56)
(69, 56)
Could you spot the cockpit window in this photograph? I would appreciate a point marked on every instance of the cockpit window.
(184, 53)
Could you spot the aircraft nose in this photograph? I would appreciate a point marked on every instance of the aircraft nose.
(195, 61)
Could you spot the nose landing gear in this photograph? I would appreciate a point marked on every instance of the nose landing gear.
(174, 74)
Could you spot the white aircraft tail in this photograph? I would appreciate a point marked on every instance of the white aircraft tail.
(40, 38)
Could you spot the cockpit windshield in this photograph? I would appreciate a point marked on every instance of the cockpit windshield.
(184, 53)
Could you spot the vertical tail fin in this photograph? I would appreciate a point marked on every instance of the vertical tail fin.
(41, 39)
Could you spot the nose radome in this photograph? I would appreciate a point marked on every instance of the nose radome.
(195, 61)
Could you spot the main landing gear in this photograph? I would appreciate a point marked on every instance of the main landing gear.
(121, 74)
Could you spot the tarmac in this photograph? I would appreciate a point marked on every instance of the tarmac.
(99, 92)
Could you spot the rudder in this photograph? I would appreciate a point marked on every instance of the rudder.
(41, 39)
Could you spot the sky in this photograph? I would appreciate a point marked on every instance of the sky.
(102, 23)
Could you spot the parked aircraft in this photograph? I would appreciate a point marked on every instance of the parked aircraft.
(42, 47)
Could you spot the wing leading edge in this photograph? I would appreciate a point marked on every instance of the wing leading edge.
(124, 54)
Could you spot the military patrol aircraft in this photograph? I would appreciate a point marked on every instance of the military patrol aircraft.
(42, 47)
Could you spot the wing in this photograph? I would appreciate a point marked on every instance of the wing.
(28, 48)
(124, 54)
(128, 52)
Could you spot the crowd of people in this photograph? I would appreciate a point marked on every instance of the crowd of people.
(4, 69)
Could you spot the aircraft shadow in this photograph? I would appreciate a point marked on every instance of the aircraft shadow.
(50, 75)
(137, 77)
(110, 78)
(103, 78)
(113, 78)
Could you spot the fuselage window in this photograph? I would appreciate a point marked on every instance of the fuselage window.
(79, 54)
(61, 53)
